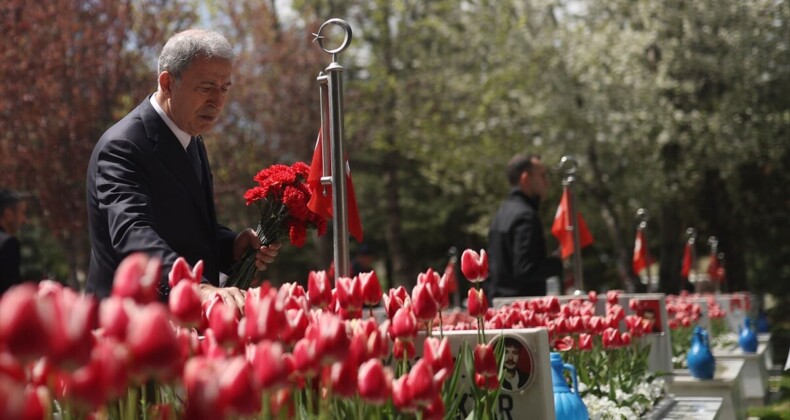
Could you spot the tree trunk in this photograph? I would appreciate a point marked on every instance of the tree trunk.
(671, 248)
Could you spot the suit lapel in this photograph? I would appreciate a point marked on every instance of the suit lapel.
(172, 155)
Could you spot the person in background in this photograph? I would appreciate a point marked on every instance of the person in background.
(363, 260)
(518, 262)
(149, 183)
(13, 212)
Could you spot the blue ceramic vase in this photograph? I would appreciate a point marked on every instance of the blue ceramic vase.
(567, 404)
(699, 358)
(747, 339)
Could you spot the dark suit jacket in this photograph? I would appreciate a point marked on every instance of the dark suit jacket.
(518, 265)
(143, 195)
(9, 261)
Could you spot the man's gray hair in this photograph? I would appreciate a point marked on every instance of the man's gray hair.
(182, 48)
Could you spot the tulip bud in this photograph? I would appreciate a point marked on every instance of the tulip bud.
(185, 305)
(137, 277)
(585, 342)
(374, 382)
(424, 304)
(371, 288)
(404, 324)
(485, 361)
(319, 289)
(477, 303)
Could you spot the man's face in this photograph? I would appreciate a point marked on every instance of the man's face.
(511, 357)
(194, 101)
(536, 181)
(14, 217)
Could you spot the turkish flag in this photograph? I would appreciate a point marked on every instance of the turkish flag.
(641, 256)
(685, 269)
(321, 203)
(560, 227)
(715, 270)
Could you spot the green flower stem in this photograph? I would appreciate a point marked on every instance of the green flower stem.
(441, 325)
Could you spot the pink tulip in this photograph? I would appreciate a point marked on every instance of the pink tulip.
(201, 380)
(477, 303)
(181, 271)
(474, 265)
(291, 296)
(222, 320)
(114, 316)
(137, 277)
(585, 342)
(319, 289)
(305, 358)
(374, 382)
(295, 326)
(185, 305)
(371, 288)
(330, 336)
(70, 324)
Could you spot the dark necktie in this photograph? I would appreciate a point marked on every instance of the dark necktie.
(194, 158)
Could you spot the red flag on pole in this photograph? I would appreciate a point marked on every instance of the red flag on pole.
(560, 227)
(685, 269)
(322, 204)
(715, 271)
(641, 256)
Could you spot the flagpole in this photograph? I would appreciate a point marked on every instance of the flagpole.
(691, 235)
(642, 216)
(568, 165)
(331, 88)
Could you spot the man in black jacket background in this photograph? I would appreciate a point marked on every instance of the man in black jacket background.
(518, 262)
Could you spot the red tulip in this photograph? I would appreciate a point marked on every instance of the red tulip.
(613, 296)
(222, 320)
(319, 289)
(371, 288)
(201, 380)
(152, 342)
(137, 277)
(185, 305)
(611, 339)
(237, 393)
(625, 339)
(70, 324)
(585, 342)
(402, 395)
(435, 410)
(404, 324)
(349, 293)
(422, 386)
(403, 349)
(114, 316)
(282, 405)
(20, 402)
(564, 344)
(270, 368)
(295, 326)
(305, 358)
(423, 303)
(485, 361)
(593, 296)
(21, 329)
(263, 319)
(437, 353)
(486, 382)
(394, 300)
(477, 303)
(330, 336)
(474, 265)
(181, 271)
(552, 304)
(343, 377)
(431, 280)
(374, 382)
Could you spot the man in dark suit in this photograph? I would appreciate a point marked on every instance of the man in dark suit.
(149, 183)
(518, 264)
(12, 217)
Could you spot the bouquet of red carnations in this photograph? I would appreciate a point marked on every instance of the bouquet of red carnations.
(281, 196)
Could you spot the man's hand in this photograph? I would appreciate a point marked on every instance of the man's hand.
(231, 295)
(247, 239)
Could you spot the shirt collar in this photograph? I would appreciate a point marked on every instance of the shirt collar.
(183, 137)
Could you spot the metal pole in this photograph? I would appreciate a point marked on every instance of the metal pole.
(334, 92)
(568, 164)
(691, 234)
(642, 216)
(714, 255)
